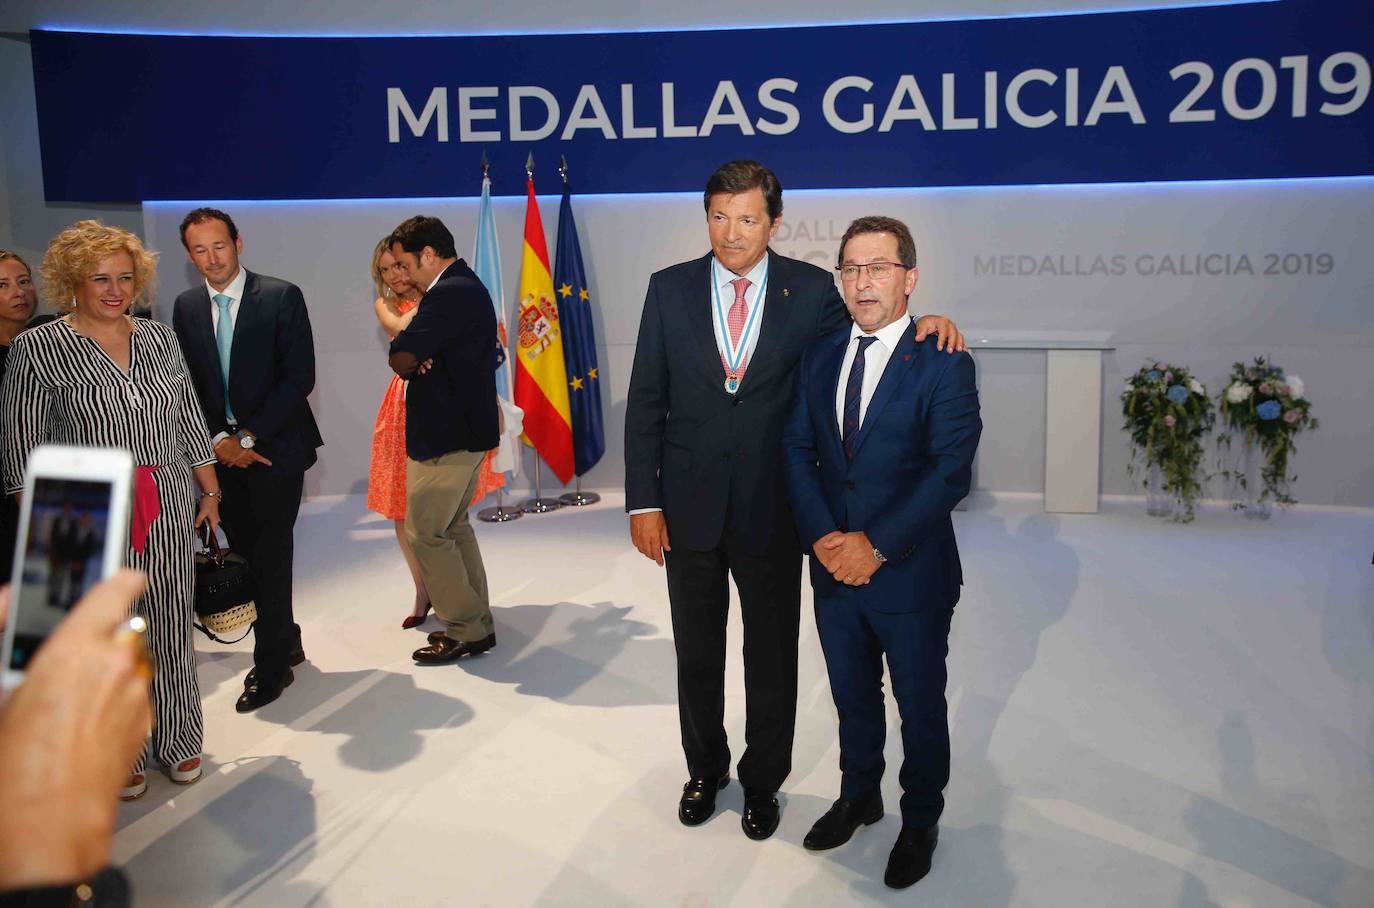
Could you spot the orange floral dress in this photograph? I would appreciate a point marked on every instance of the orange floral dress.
(386, 480)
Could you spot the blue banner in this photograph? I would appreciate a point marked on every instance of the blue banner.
(1252, 90)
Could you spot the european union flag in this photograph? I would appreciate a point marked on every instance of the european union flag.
(579, 342)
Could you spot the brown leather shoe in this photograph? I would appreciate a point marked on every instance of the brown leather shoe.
(446, 649)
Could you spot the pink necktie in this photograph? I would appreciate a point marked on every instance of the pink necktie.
(738, 313)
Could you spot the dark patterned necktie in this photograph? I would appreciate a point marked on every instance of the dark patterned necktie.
(853, 391)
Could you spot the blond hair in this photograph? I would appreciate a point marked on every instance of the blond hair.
(75, 253)
(383, 291)
(7, 256)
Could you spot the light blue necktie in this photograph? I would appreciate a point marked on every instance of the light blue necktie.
(224, 339)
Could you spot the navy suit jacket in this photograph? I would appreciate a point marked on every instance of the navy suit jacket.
(695, 450)
(913, 463)
(452, 407)
(271, 368)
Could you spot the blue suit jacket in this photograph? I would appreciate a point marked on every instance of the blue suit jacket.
(452, 407)
(913, 464)
(271, 368)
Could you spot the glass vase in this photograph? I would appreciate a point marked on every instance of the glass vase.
(1158, 502)
(1253, 500)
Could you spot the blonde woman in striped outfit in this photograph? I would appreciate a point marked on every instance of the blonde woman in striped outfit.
(97, 376)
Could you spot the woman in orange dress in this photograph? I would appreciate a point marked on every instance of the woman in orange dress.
(397, 300)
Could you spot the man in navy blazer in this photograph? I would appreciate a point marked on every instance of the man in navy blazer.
(878, 450)
(451, 423)
(251, 356)
(719, 341)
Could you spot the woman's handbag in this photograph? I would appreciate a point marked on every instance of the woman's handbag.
(224, 590)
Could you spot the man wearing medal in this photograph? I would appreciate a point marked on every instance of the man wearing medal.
(719, 341)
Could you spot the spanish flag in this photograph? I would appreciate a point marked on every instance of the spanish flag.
(541, 379)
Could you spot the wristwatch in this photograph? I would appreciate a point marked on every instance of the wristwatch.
(879, 556)
(246, 439)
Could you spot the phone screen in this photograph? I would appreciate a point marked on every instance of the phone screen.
(62, 558)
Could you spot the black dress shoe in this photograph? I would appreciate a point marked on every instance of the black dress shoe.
(910, 857)
(761, 814)
(297, 657)
(446, 649)
(256, 694)
(699, 799)
(840, 821)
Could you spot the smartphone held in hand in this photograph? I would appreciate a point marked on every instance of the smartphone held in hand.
(73, 532)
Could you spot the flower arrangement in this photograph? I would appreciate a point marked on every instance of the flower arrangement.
(1267, 408)
(1167, 412)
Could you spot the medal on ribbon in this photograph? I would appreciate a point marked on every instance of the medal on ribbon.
(732, 357)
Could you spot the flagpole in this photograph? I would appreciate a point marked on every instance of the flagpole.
(539, 504)
(576, 498)
(498, 514)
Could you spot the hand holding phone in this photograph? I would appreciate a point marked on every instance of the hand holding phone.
(68, 735)
(73, 532)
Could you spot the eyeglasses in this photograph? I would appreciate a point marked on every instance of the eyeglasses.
(878, 271)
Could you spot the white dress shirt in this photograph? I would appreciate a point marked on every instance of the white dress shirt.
(723, 291)
(875, 361)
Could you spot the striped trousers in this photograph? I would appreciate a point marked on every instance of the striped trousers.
(167, 559)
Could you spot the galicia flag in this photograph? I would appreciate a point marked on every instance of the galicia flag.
(486, 261)
(579, 342)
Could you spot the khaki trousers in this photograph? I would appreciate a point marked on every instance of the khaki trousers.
(437, 495)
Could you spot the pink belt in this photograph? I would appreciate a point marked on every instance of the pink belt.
(147, 507)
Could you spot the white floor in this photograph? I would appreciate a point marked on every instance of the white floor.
(1142, 713)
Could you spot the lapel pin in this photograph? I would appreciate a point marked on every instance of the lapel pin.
(786, 292)
(906, 357)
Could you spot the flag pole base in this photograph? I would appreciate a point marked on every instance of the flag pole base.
(498, 514)
(539, 504)
(578, 498)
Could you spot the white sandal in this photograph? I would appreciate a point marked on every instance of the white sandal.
(185, 772)
(134, 787)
